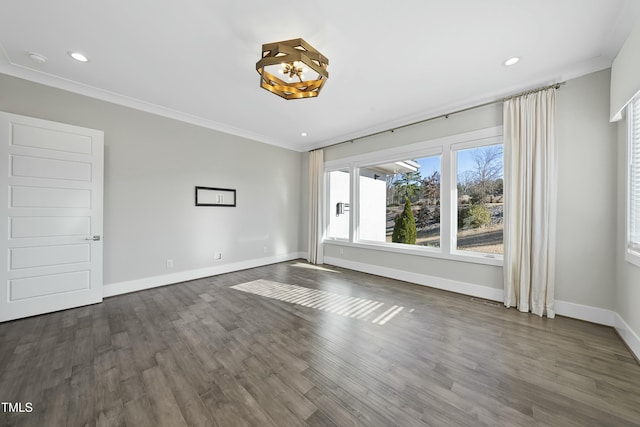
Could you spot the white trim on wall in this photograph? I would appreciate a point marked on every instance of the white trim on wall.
(479, 291)
(628, 335)
(563, 308)
(129, 286)
(585, 312)
(25, 73)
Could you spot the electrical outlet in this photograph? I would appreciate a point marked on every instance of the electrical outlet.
(169, 263)
(341, 251)
(217, 256)
(265, 249)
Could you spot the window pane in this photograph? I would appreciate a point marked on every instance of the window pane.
(373, 205)
(339, 204)
(480, 199)
(384, 189)
(634, 175)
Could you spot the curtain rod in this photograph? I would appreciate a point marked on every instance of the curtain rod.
(446, 116)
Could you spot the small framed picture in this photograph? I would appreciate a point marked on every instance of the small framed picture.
(210, 196)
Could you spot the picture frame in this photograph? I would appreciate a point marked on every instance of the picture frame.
(213, 196)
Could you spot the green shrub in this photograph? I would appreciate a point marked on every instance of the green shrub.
(423, 217)
(427, 215)
(404, 230)
(474, 216)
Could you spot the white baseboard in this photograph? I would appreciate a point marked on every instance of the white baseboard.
(120, 288)
(585, 312)
(421, 279)
(628, 335)
(576, 311)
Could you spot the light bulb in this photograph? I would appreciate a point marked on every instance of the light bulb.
(37, 58)
(78, 57)
(511, 61)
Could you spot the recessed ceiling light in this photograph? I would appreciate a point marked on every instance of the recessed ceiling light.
(511, 61)
(303, 134)
(78, 57)
(36, 57)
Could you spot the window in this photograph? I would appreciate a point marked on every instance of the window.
(480, 199)
(440, 198)
(633, 210)
(339, 203)
(385, 187)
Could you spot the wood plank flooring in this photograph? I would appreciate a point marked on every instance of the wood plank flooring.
(201, 353)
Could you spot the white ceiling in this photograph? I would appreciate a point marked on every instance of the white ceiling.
(391, 62)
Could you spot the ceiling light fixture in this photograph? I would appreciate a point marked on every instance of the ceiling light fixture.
(302, 69)
(78, 57)
(511, 61)
(36, 57)
(303, 134)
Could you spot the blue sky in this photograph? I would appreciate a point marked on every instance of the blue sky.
(428, 165)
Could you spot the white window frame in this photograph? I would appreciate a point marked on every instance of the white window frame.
(632, 252)
(444, 147)
(454, 198)
(431, 152)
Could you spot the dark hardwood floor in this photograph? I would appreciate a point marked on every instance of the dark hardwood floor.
(204, 353)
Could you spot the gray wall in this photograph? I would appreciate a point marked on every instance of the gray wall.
(152, 165)
(586, 190)
(585, 271)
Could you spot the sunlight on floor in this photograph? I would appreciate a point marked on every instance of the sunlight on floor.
(313, 267)
(344, 305)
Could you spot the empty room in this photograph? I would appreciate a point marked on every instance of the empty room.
(411, 213)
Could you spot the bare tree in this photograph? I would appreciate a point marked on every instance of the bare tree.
(488, 168)
(466, 182)
(431, 188)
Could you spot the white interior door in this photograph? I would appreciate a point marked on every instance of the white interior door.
(51, 203)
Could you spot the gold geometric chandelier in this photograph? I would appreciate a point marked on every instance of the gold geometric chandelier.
(292, 69)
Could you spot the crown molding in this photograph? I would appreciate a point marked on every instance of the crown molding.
(19, 71)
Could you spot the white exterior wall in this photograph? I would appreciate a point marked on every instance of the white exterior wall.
(338, 192)
(373, 202)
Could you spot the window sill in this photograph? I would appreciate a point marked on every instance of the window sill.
(633, 257)
(476, 258)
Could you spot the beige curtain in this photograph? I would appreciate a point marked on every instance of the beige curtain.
(530, 202)
(316, 171)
